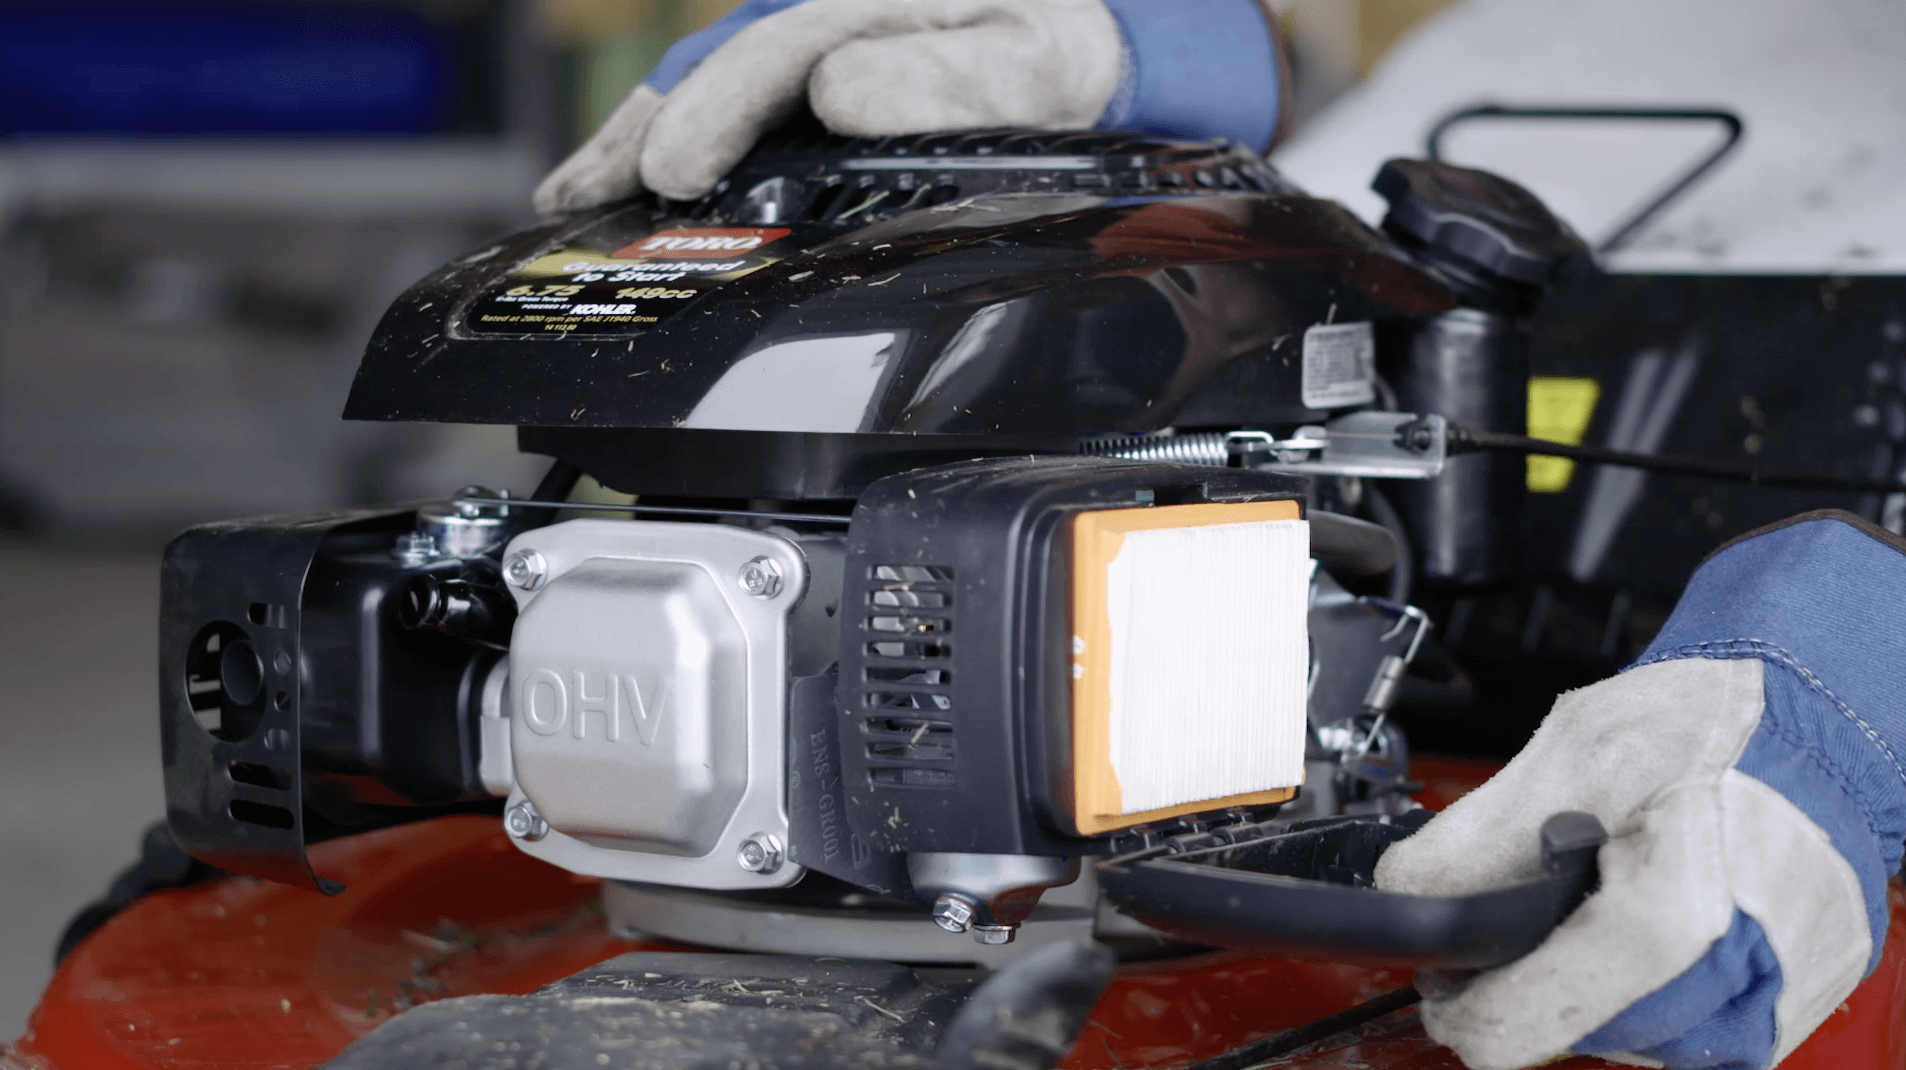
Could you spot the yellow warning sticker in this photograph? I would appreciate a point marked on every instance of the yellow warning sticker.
(1560, 409)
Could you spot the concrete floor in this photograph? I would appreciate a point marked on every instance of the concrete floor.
(79, 743)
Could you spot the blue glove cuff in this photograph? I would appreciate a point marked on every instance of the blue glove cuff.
(1196, 69)
(684, 55)
(1192, 68)
(1822, 600)
(1678, 1024)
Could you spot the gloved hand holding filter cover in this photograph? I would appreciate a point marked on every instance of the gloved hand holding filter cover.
(1748, 770)
(878, 68)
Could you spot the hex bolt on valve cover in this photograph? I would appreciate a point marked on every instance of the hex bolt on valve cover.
(760, 577)
(524, 823)
(759, 853)
(525, 569)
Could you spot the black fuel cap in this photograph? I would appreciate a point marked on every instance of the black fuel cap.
(1481, 227)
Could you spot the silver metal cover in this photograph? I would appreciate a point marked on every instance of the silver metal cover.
(647, 700)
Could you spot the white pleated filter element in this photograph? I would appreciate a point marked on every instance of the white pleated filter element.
(1210, 654)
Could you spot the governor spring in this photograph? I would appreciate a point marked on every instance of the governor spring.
(1203, 447)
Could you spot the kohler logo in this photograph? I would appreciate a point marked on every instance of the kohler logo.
(550, 701)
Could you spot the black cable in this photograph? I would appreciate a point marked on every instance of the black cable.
(532, 505)
(1403, 573)
(1472, 440)
(1322, 1029)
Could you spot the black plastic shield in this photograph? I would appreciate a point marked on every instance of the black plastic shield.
(229, 696)
(1306, 891)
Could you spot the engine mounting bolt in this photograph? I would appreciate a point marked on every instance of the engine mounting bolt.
(952, 913)
(525, 569)
(416, 548)
(759, 853)
(994, 934)
(524, 823)
(761, 577)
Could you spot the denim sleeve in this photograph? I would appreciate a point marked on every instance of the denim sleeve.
(688, 52)
(1822, 600)
(1197, 69)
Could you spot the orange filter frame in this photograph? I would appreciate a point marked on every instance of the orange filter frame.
(1097, 539)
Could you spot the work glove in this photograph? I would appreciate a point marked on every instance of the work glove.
(876, 68)
(1748, 768)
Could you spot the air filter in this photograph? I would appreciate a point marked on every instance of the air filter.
(1190, 655)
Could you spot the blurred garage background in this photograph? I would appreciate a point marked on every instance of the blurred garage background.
(204, 208)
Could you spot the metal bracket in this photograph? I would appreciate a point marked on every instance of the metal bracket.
(1374, 445)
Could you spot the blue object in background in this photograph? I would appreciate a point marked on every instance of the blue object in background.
(231, 69)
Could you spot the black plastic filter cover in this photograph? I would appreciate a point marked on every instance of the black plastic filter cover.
(1305, 890)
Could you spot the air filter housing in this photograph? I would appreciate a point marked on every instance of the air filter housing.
(973, 719)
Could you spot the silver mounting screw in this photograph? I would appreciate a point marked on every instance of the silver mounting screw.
(952, 913)
(760, 577)
(415, 548)
(525, 569)
(523, 822)
(759, 853)
(994, 934)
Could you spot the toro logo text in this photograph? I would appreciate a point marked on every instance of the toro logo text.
(702, 242)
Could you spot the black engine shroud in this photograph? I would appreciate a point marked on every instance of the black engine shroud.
(838, 310)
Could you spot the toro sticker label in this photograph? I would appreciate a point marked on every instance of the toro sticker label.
(582, 291)
(711, 243)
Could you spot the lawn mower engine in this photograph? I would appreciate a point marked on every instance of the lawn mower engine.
(989, 504)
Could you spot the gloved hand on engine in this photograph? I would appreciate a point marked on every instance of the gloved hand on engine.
(876, 68)
(1749, 769)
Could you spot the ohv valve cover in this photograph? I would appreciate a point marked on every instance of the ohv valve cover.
(647, 698)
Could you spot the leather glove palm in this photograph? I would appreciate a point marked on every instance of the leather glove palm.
(1748, 768)
(875, 68)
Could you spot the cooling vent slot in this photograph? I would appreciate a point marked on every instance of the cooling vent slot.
(806, 174)
(907, 713)
(839, 201)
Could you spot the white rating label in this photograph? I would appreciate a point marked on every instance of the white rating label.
(1340, 365)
